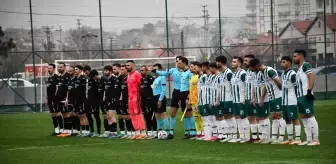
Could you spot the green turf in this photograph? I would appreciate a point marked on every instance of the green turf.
(24, 139)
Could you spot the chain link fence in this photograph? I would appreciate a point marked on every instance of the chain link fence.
(45, 32)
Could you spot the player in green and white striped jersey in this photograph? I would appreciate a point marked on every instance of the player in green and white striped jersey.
(217, 131)
(261, 100)
(305, 82)
(289, 101)
(229, 122)
(273, 85)
(238, 88)
(250, 106)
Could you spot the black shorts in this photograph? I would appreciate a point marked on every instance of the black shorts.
(184, 97)
(123, 110)
(91, 106)
(110, 105)
(80, 107)
(52, 106)
(163, 106)
(176, 97)
(148, 105)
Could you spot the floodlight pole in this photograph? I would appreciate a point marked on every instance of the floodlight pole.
(33, 51)
(101, 34)
(325, 49)
(167, 35)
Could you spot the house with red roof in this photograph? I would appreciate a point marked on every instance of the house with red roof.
(316, 35)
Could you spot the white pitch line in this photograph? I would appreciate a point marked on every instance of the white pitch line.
(45, 147)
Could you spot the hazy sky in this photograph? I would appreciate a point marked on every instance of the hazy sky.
(125, 8)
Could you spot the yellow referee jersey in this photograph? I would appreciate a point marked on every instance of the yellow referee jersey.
(193, 90)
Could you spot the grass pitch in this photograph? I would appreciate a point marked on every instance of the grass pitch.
(24, 139)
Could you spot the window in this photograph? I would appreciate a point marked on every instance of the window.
(320, 56)
(319, 3)
(319, 24)
(328, 42)
(17, 83)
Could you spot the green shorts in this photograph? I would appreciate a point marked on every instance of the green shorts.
(263, 111)
(227, 107)
(217, 111)
(239, 110)
(275, 105)
(251, 110)
(290, 112)
(202, 109)
(305, 106)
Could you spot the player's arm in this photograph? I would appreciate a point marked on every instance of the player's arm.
(293, 80)
(307, 68)
(253, 92)
(163, 73)
(163, 88)
(218, 88)
(272, 74)
(56, 85)
(243, 79)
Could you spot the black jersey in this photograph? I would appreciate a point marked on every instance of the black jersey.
(62, 86)
(108, 88)
(117, 87)
(145, 87)
(52, 82)
(123, 87)
(81, 87)
(93, 87)
(72, 89)
(101, 87)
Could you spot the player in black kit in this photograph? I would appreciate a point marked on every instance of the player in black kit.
(81, 97)
(109, 101)
(61, 92)
(51, 90)
(148, 105)
(94, 102)
(71, 101)
(123, 115)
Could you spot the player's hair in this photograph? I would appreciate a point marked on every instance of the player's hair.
(93, 73)
(124, 65)
(73, 67)
(144, 66)
(287, 58)
(178, 57)
(184, 60)
(239, 59)
(79, 67)
(116, 65)
(251, 56)
(255, 62)
(301, 52)
(213, 65)
(53, 65)
(222, 59)
(86, 68)
(205, 64)
(196, 63)
(108, 67)
(158, 65)
(59, 63)
(130, 61)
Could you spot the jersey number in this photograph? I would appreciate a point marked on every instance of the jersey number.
(307, 111)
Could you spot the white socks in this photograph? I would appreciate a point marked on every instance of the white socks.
(246, 128)
(314, 127)
(254, 130)
(282, 129)
(297, 132)
(225, 128)
(219, 129)
(275, 128)
(307, 128)
(267, 130)
(289, 128)
(232, 130)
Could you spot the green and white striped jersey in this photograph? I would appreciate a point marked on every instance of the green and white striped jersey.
(225, 86)
(302, 79)
(259, 84)
(249, 84)
(272, 89)
(201, 89)
(288, 79)
(238, 86)
(208, 90)
(215, 88)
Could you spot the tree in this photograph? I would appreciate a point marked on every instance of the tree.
(148, 29)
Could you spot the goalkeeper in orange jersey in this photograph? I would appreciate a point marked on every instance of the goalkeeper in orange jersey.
(195, 68)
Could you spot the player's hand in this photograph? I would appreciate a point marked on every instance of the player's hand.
(243, 102)
(253, 102)
(159, 104)
(309, 95)
(196, 109)
(261, 103)
(217, 103)
(154, 70)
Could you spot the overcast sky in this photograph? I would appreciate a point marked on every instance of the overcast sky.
(125, 8)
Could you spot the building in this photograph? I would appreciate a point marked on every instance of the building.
(284, 11)
(316, 38)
